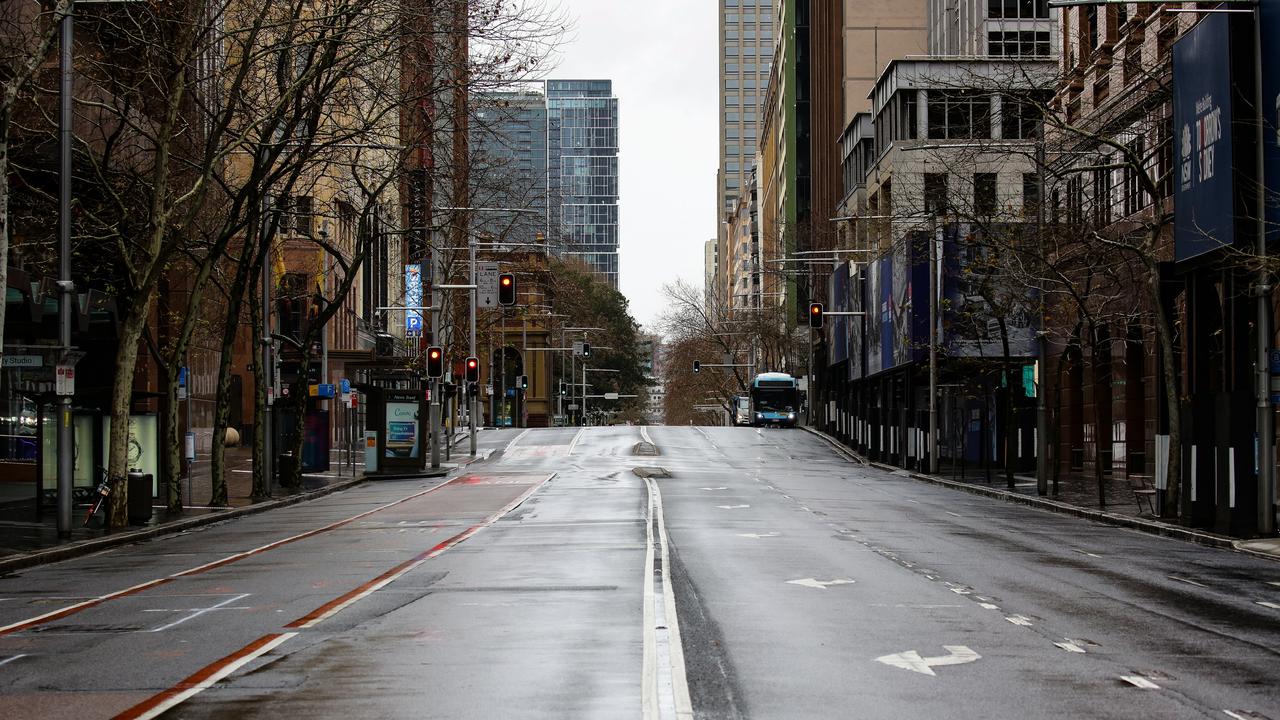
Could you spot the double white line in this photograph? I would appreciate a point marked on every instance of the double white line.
(665, 688)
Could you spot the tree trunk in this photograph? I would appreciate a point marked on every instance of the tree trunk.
(131, 327)
(170, 442)
(221, 410)
(261, 377)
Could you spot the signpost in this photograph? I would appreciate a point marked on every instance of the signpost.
(487, 284)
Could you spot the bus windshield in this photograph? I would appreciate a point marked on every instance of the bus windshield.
(774, 399)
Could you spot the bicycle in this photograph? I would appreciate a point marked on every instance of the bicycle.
(101, 493)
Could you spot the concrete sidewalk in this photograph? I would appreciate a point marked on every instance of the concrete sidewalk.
(1074, 498)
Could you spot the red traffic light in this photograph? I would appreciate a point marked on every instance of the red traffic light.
(473, 369)
(435, 362)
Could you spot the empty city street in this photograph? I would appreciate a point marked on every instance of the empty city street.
(736, 573)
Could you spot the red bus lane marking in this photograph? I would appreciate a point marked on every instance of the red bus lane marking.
(204, 678)
(221, 669)
(55, 615)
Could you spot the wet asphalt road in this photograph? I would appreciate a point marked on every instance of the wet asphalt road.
(534, 584)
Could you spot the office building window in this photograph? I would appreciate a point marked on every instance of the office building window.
(1018, 9)
(984, 194)
(1022, 43)
(1030, 194)
(959, 114)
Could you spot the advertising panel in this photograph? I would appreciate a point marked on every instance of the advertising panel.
(1204, 184)
(402, 430)
(838, 301)
(975, 297)
(1270, 14)
(143, 446)
(413, 297)
(898, 319)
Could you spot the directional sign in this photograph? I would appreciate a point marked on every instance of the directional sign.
(911, 660)
(611, 396)
(487, 284)
(413, 324)
(820, 584)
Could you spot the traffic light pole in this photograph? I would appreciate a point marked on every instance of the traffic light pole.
(473, 400)
(433, 413)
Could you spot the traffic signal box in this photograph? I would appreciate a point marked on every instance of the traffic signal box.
(815, 315)
(435, 362)
(507, 289)
(697, 366)
(473, 369)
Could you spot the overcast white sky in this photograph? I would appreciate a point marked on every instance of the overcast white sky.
(662, 58)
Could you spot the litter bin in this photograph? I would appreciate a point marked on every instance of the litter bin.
(286, 465)
(139, 498)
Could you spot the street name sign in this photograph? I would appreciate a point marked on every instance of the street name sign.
(487, 284)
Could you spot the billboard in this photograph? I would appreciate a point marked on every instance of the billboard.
(838, 301)
(1269, 13)
(897, 290)
(976, 298)
(413, 298)
(1204, 184)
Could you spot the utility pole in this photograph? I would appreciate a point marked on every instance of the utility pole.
(1266, 415)
(268, 361)
(1042, 344)
(66, 288)
(473, 404)
(437, 299)
(932, 439)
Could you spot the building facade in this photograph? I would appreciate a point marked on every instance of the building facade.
(582, 173)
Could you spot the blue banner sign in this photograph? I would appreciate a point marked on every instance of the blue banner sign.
(1204, 195)
(413, 297)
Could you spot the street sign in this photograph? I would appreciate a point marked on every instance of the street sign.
(487, 284)
(572, 406)
(23, 361)
(182, 383)
(577, 348)
(611, 396)
(1029, 380)
(344, 386)
(413, 324)
(65, 380)
(413, 297)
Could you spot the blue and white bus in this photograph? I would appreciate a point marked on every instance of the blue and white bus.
(775, 400)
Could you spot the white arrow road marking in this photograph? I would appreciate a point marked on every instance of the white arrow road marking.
(1271, 605)
(911, 660)
(1070, 647)
(757, 536)
(820, 584)
(1021, 620)
(1139, 682)
(713, 489)
(732, 507)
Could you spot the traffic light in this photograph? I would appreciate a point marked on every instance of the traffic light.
(524, 382)
(815, 315)
(435, 362)
(507, 289)
(473, 369)
(564, 389)
(473, 389)
(586, 349)
(697, 366)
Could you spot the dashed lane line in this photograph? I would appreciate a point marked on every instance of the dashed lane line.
(577, 436)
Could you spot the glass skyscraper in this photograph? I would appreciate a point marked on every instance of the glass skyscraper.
(582, 172)
(509, 148)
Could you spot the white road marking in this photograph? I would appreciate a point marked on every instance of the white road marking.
(1272, 582)
(913, 501)
(802, 507)
(1084, 552)
(1020, 620)
(1242, 715)
(197, 612)
(714, 489)
(644, 433)
(820, 584)
(515, 440)
(757, 536)
(911, 660)
(1139, 682)
(951, 513)
(988, 606)
(665, 687)
(576, 438)
(960, 591)
(1266, 604)
(222, 673)
(1187, 581)
(6, 661)
(732, 507)
(1070, 646)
